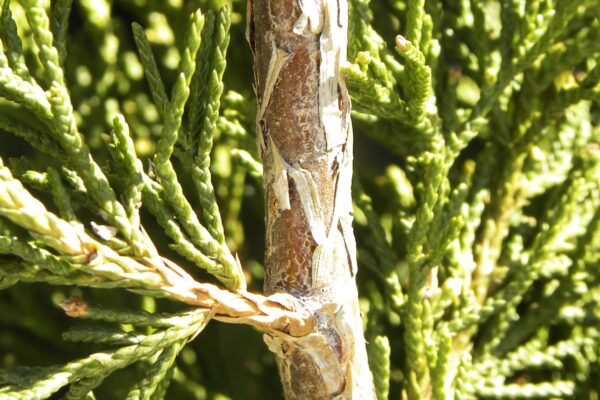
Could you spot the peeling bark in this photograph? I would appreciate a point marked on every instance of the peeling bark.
(305, 138)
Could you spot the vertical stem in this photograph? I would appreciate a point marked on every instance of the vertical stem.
(305, 139)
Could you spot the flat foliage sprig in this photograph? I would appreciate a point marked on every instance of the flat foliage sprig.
(112, 250)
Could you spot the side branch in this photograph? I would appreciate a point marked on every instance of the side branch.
(79, 252)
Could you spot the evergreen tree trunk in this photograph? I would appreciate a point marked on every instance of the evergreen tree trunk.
(305, 139)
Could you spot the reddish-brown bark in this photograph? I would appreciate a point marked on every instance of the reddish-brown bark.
(305, 139)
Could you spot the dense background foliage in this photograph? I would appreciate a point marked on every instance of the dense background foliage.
(477, 199)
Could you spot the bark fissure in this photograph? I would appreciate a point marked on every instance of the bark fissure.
(304, 135)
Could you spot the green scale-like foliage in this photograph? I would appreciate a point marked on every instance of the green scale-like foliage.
(488, 218)
(125, 141)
